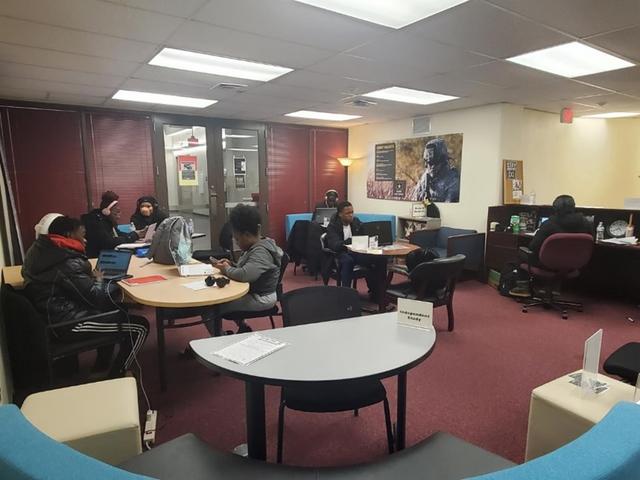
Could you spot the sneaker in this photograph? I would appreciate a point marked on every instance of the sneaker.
(520, 290)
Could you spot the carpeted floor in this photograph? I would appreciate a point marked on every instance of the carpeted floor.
(476, 384)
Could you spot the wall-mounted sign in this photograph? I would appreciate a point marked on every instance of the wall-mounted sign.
(187, 170)
(239, 165)
(385, 167)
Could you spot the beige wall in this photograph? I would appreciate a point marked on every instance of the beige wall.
(597, 161)
(481, 163)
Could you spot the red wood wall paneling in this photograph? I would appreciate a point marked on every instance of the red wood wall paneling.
(327, 173)
(288, 175)
(121, 160)
(46, 167)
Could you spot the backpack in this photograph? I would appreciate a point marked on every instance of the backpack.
(509, 277)
(417, 257)
(171, 244)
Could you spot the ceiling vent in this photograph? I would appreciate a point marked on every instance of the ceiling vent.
(240, 87)
(361, 102)
(421, 125)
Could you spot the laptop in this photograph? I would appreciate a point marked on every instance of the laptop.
(323, 215)
(380, 229)
(150, 231)
(114, 264)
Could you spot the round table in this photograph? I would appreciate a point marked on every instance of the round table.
(171, 294)
(373, 347)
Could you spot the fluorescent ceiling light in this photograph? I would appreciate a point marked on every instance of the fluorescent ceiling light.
(162, 99)
(226, 67)
(180, 132)
(613, 115)
(184, 151)
(334, 117)
(409, 95)
(572, 59)
(243, 149)
(397, 14)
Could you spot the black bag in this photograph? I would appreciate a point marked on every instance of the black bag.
(417, 257)
(509, 277)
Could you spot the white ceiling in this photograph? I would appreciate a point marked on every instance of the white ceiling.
(82, 51)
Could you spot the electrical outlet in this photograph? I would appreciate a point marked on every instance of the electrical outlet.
(149, 435)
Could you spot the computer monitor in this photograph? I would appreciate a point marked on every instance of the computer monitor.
(380, 229)
(323, 215)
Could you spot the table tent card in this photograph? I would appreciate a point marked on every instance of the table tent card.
(360, 242)
(589, 381)
(415, 314)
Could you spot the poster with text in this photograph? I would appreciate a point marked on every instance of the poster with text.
(417, 169)
(187, 170)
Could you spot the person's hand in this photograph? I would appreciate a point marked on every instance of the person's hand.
(99, 275)
(221, 265)
(143, 232)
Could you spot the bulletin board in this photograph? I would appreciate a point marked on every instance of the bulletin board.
(512, 181)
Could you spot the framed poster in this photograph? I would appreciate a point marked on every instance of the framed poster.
(512, 181)
(417, 169)
(241, 181)
(187, 170)
(239, 165)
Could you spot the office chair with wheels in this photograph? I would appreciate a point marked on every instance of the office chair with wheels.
(561, 257)
(271, 312)
(434, 282)
(322, 304)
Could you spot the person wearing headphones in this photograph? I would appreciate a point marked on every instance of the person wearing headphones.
(148, 213)
(61, 285)
(330, 200)
(102, 226)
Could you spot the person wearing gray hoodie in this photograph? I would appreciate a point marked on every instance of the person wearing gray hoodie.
(259, 265)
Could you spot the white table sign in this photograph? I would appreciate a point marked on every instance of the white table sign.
(360, 242)
(414, 313)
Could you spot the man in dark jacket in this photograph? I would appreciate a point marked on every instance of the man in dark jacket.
(60, 284)
(102, 226)
(342, 227)
(148, 212)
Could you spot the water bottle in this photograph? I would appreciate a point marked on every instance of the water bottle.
(190, 225)
(600, 232)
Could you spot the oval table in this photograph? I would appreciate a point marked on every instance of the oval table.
(373, 347)
(171, 294)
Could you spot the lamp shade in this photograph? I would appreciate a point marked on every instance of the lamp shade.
(345, 161)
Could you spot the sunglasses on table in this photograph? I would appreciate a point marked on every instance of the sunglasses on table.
(220, 282)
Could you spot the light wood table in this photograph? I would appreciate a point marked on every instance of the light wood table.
(560, 412)
(164, 295)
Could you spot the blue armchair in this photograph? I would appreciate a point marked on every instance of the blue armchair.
(447, 241)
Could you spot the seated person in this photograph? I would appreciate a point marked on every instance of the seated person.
(342, 227)
(330, 200)
(102, 226)
(259, 265)
(61, 285)
(565, 219)
(148, 213)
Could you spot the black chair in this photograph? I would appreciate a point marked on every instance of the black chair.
(433, 282)
(624, 362)
(271, 312)
(33, 345)
(330, 268)
(297, 243)
(225, 250)
(322, 304)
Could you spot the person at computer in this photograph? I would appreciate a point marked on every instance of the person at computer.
(61, 285)
(259, 265)
(102, 226)
(343, 226)
(148, 212)
(330, 200)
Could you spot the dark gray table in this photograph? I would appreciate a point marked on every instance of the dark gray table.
(373, 346)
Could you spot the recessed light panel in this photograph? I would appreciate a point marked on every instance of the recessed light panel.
(613, 115)
(214, 65)
(409, 95)
(395, 14)
(334, 117)
(570, 60)
(162, 99)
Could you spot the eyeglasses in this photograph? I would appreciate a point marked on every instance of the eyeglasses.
(221, 282)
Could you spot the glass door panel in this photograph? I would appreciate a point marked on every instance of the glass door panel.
(241, 168)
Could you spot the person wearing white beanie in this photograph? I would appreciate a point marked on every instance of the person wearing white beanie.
(42, 227)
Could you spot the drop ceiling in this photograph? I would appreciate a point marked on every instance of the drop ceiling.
(81, 52)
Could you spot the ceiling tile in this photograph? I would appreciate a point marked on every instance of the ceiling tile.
(564, 89)
(49, 86)
(167, 88)
(483, 28)
(22, 94)
(578, 17)
(454, 84)
(278, 92)
(555, 107)
(151, 72)
(331, 83)
(56, 75)
(64, 61)
(183, 8)
(71, 99)
(428, 57)
(94, 16)
(623, 42)
(74, 41)
(363, 68)
(291, 21)
(505, 74)
(200, 37)
(626, 80)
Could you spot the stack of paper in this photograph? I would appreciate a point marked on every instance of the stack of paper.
(250, 349)
(622, 241)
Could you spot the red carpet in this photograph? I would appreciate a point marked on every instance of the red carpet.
(475, 385)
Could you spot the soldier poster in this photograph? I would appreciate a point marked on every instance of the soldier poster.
(417, 169)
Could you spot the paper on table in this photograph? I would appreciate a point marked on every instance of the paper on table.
(250, 349)
(132, 246)
(197, 285)
(360, 242)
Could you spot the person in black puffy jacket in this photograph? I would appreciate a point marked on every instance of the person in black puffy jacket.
(61, 285)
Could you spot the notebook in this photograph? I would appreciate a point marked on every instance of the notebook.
(132, 282)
